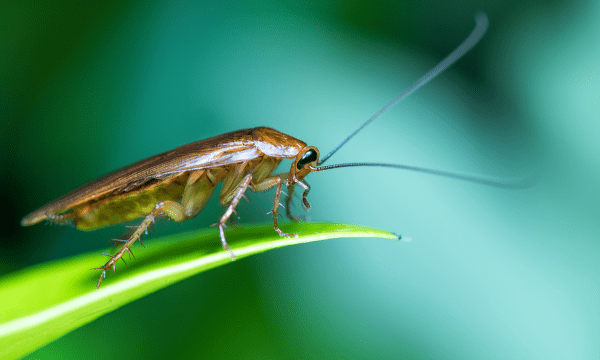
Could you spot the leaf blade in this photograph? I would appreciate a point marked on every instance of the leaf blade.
(44, 302)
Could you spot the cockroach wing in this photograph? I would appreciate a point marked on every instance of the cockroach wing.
(230, 148)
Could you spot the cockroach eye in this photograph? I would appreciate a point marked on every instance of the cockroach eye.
(308, 157)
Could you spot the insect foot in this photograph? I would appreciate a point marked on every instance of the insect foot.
(286, 235)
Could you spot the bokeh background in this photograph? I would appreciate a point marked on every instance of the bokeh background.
(489, 274)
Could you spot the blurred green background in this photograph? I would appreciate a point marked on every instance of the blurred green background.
(489, 273)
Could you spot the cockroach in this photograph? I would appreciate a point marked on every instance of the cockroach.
(179, 183)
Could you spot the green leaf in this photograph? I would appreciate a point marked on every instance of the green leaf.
(44, 302)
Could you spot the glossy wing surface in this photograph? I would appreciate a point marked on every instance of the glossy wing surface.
(221, 150)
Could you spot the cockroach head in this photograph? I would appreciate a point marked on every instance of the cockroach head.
(305, 162)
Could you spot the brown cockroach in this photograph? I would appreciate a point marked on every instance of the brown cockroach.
(178, 183)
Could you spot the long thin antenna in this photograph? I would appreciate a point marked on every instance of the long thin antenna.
(476, 35)
(503, 183)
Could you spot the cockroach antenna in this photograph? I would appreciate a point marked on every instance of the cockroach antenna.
(476, 35)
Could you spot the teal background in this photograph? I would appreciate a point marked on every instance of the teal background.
(489, 273)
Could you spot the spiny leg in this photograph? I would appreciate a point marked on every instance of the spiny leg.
(306, 187)
(239, 194)
(170, 208)
(277, 180)
(275, 211)
(288, 200)
(126, 247)
(288, 203)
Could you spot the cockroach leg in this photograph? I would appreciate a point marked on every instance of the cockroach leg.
(170, 208)
(288, 203)
(306, 187)
(239, 193)
(276, 205)
(278, 181)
